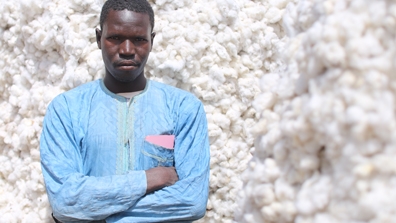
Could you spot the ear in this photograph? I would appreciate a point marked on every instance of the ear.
(152, 38)
(98, 37)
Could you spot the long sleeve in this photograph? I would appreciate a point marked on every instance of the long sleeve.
(186, 200)
(73, 195)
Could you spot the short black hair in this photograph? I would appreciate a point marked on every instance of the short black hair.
(141, 6)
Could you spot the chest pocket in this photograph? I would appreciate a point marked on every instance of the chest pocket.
(157, 156)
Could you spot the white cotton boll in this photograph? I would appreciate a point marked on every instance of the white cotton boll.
(269, 214)
(289, 20)
(303, 20)
(172, 66)
(279, 3)
(273, 15)
(160, 2)
(355, 26)
(307, 204)
(213, 17)
(309, 163)
(207, 61)
(13, 100)
(247, 61)
(280, 151)
(217, 74)
(383, 163)
(26, 130)
(314, 67)
(9, 14)
(9, 217)
(38, 37)
(358, 6)
(323, 218)
(377, 198)
(283, 190)
(268, 42)
(50, 69)
(6, 112)
(378, 11)
(229, 10)
(269, 82)
(81, 76)
(364, 170)
(247, 128)
(272, 170)
(6, 169)
(246, 33)
(221, 120)
(264, 101)
(287, 212)
(333, 54)
(311, 146)
(260, 178)
(246, 93)
(209, 96)
(233, 114)
(68, 78)
(373, 48)
(356, 115)
(220, 51)
(285, 88)
(253, 217)
(241, 69)
(9, 37)
(214, 130)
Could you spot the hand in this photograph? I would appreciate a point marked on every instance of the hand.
(160, 177)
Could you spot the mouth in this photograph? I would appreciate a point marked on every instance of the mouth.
(127, 65)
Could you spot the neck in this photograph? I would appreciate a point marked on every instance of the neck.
(116, 86)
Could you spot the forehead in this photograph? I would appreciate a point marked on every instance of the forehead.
(126, 19)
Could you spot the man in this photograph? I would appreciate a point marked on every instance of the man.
(103, 149)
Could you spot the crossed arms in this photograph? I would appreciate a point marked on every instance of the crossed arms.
(159, 194)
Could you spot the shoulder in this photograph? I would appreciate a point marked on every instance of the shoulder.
(72, 97)
(86, 88)
(184, 105)
(173, 93)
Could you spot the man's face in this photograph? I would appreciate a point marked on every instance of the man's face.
(125, 41)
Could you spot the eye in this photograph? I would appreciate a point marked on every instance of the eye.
(114, 37)
(140, 39)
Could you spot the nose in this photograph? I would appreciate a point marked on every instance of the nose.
(127, 48)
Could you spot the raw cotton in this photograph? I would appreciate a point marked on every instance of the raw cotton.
(325, 150)
(218, 50)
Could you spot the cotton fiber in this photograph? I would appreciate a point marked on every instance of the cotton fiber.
(326, 134)
(218, 50)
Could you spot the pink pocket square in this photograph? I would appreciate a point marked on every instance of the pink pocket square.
(166, 141)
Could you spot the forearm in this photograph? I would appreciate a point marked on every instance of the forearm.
(185, 201)
(160, 177)
(73, 191)
(179, 202)
(94, 198)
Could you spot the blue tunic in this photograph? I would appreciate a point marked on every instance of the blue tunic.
(94, 153)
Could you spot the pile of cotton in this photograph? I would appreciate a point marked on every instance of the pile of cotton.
(327, 132)
(46, 48)
(221, 64)
(218, 50)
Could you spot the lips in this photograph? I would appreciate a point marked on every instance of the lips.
(127, 63)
